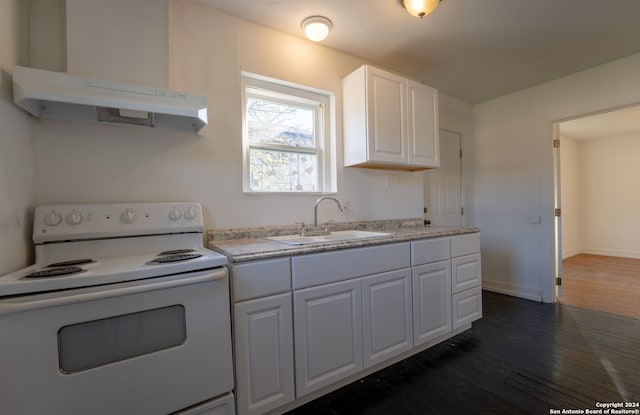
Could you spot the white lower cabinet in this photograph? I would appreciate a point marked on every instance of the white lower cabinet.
(387, 316)
(467, 306)
(431, 301)
(328, 334)
(346, 312)
(263, 354)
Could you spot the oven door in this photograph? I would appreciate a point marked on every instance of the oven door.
(144, 347)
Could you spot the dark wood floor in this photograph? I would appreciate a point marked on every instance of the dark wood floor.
(523, 357)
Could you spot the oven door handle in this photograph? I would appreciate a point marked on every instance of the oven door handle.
(27, 303)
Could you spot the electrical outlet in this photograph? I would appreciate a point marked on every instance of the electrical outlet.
(345, 208)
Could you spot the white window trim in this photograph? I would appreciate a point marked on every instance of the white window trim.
(271, 87)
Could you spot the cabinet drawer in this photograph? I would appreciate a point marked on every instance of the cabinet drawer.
(260, 278)
(430, 250)
(334, 266)
(467, 307)
(466, 272)
(465, 244)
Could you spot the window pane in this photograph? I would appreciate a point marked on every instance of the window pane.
(281, 171)
(274, 123)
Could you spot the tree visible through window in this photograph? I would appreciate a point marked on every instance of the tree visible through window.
(284, 136)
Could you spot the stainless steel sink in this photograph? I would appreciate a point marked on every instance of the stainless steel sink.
(332, 237)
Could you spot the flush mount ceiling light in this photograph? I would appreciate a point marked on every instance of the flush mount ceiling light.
(316, 28)
(420, 8)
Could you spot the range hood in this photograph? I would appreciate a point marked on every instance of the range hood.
(62, 96)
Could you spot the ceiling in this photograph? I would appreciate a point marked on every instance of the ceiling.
(609, 124)
(473, 50)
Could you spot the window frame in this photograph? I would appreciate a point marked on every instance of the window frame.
(287, 93)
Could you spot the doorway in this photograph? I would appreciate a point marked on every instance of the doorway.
(443, 202)
(595, 180)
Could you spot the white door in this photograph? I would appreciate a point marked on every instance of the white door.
(443, 186)
(387, 319)
(387, 103)
(431, 301)
(328, 334)
(263, 353)
(422, 126)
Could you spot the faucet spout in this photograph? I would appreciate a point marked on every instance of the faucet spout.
(315, 210)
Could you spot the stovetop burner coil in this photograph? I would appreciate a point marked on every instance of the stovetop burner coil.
(72, 263)
(55, 272)
(173, 258)
(176, 252)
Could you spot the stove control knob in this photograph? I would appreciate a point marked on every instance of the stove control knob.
(52, 218)
(129, 216)
(175, 214)
(190, 213)
(74, 218)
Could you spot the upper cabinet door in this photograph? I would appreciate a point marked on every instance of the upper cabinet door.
(422, 129)
(386, 103)
(390, 122)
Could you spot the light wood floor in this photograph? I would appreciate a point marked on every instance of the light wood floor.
(603, 283)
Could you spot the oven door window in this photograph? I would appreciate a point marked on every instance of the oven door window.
(96, 343)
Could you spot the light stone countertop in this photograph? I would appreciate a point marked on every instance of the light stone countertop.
(249, 244)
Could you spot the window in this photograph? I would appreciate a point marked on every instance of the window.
(286, 138)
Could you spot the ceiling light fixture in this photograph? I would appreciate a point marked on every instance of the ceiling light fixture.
(420, 8)
(316, 28)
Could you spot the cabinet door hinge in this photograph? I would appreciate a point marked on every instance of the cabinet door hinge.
(557, 212)
(559, 281)
(460, 153)
(556, 143)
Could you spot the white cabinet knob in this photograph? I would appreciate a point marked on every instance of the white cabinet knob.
(128, 216)
(52, 219)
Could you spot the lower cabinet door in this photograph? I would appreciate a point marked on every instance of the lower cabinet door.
(263, 354)
(387, 317)
(431, 301)
(467, 307)
(328, 334)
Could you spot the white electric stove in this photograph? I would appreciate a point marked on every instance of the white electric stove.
(124, 311)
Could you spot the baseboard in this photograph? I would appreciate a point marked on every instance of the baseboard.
(511, 289)
(571, 253)
(606, 252)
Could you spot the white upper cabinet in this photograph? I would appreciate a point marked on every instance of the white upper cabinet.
(389, 121)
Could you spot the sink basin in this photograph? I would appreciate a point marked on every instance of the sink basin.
(332, 237)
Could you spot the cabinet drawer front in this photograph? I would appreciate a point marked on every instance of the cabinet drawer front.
(465, 244)
(328, 267)
(328, 334)
(430, 250)
(466, 272)
(260, 278)
(263, 340)
(467, 307)
(387, 318)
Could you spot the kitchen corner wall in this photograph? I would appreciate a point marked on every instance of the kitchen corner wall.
(514, 171)
(16, 150)
(206, 51)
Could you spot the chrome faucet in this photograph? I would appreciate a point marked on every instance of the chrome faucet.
(315, 230)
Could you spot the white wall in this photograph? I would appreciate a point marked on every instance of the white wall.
(207, 50)
(572, 206)
(610, 196)
(16, 159)
(513, 170)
